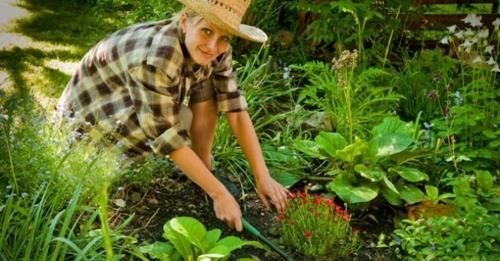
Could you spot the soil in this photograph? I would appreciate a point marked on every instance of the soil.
(170, 197)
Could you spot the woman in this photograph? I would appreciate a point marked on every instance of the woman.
(134, 84)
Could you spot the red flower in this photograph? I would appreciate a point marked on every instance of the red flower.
(281, 217)
(330, 202)
(308, 234)
(317, 199)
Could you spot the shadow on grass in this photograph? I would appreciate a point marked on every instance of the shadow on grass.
(19, 63)
(66, 22)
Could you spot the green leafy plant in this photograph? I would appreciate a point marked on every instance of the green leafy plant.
(189, 240)
(363, 169)
(317, 228)
(352, 102)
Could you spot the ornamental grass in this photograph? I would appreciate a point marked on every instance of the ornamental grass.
(317, 228)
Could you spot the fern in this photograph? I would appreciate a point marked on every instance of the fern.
(370, 99)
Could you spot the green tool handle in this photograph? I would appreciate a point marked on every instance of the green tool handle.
(251, 229)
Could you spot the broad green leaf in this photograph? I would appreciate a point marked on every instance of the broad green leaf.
(308, 147)
(391, 186)
(391, 125)
(387, 145)
(285, 178)
(405, 156)
(159, 250)
(184, 231)
(218, 253)
(350, 152)
(363, 192)
(432, 193)
(374, 175)
(484, 180)
(232, 243)
(210, 239)
(391, 197)
(410, 174)
(410, 193)
(330, 142)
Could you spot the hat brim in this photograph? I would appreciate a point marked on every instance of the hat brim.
(244, 31)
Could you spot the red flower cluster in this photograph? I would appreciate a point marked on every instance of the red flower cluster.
(302, 198)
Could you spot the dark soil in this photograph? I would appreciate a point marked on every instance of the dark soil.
(170, 197)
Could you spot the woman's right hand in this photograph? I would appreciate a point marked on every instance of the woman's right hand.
(227, 209)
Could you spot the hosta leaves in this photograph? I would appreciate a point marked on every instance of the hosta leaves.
(410, 174)
(353, 193)
(389, 144)
(391, 196)
(392, 125)
(350, 152)
(373, 175)
(330, 142)
(410, 193)
(184, 231)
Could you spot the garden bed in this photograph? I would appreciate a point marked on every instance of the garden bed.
(172, 197)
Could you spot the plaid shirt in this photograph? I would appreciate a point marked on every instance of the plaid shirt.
(132, 84)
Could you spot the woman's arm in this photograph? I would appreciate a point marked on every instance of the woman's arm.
(225, 206)
(267, 187)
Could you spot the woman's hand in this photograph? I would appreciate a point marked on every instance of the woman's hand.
(267, 187)
(227, 209)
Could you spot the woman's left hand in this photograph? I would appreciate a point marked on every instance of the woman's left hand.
(268, 188)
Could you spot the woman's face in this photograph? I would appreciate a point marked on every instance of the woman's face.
(203, 40)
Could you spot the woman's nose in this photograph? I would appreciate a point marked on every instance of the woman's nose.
(212, 44)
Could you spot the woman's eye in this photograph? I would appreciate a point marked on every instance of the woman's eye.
(206, 31)
(225, 39)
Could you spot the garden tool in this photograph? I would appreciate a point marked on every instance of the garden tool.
(235, 191)
(254, 231)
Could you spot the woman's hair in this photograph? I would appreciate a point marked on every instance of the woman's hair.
(189, 12)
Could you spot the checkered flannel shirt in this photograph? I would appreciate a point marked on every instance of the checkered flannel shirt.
(132, 84)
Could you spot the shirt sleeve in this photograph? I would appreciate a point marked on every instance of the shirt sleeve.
(154, 95)
(228, 94)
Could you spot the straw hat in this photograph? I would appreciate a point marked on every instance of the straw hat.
(227, 15)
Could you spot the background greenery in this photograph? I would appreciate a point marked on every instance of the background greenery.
(401, 126)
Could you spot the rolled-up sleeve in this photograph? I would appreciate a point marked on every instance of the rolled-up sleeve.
(228, 94)
(154, 99)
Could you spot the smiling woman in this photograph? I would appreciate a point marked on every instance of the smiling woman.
(134, 84)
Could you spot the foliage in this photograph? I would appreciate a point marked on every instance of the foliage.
(317, 228)
(469, 121)
(189, 240)
(362, 169)
(425, 81)
(45, 210)
(352, 102)
(134, 11)
(470, 234)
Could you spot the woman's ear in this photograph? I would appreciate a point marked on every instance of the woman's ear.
(183, 22)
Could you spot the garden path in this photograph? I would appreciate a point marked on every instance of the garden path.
(12, 11)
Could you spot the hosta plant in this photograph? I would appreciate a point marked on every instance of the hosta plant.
(189, 240)
(317, 227)
(364, 169)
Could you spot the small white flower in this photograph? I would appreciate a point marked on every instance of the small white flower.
(496, 23)
(466, 44)
(459, 34)
(473, 20)
(483, 33)
(428, 125)
(495, 68)
(476, 60)
(452, 28)
(488, 49)
(469, 32)
(444, 40)
(490, 61)
(286, 73)
(24, 194)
